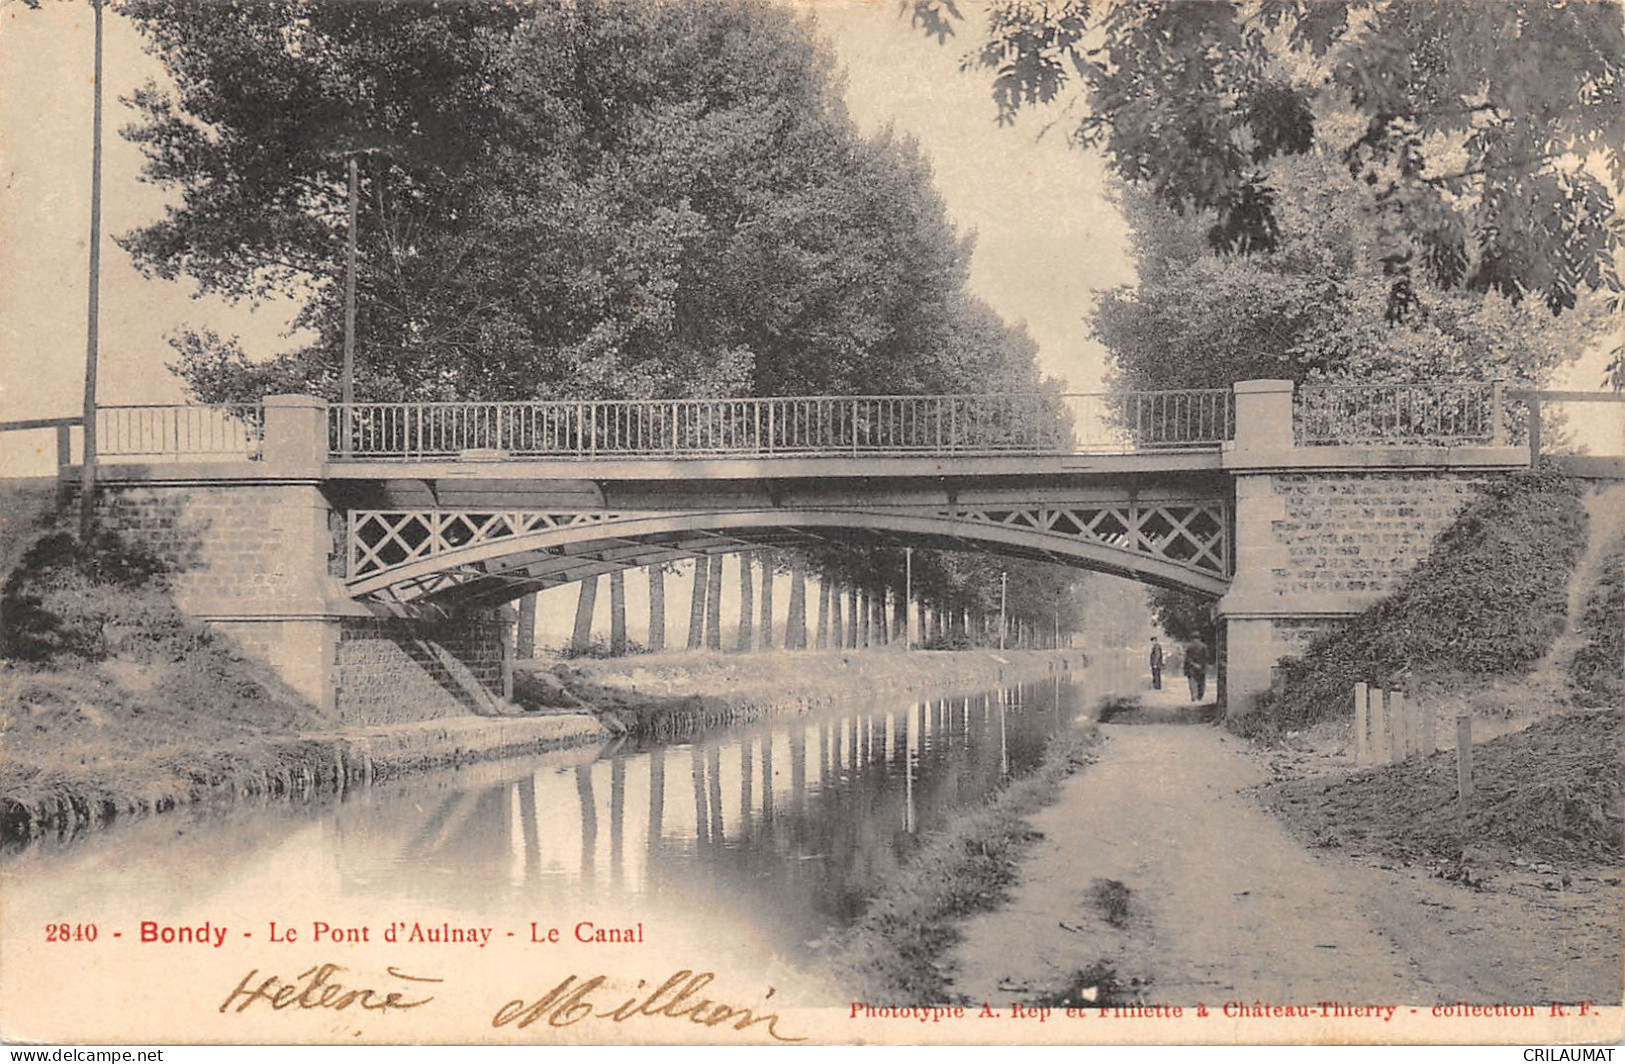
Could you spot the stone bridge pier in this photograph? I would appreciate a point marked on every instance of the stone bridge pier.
(1324, 532)
(256, 550)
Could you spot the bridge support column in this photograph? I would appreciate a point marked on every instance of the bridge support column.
(1322, 533)
(251, 545)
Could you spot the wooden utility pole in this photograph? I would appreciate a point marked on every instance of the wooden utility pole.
(1004, 587)
(87, 486)
(347, 382)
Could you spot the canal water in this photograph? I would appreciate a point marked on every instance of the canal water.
(777, 833)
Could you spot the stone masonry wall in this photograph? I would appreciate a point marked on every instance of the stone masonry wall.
(1359, 534)
(236, 548)
(394, 670)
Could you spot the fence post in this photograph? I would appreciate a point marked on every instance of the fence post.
(1380, 749)
(1430, 736)
(1534, 428)
(1404, 731)
(1498, 431)
(1464, 757)
(64, 445)
(1362, 747)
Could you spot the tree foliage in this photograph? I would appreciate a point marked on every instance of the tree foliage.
(1313, 308)
(605, 198)
(1490, 137)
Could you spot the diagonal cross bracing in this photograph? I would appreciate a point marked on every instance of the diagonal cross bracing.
(406, 554)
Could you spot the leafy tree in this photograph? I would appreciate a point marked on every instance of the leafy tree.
(1312, 308)
(1490, 136)
(608, 198)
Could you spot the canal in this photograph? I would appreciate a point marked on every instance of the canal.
(754, 845)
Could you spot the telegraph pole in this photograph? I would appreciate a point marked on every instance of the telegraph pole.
(87, 487)
(348, 383)
(908, 598)
(1004, 587)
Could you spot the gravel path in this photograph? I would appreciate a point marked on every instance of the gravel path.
(1225, 905)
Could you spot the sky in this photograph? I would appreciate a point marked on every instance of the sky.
(1046, 236)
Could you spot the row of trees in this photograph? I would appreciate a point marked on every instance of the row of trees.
(958, 602)
(605, 198)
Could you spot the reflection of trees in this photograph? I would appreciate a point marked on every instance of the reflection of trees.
(801, 854)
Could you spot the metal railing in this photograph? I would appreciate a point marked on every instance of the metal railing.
(1432, 415)
(991, 424)
(233, 430)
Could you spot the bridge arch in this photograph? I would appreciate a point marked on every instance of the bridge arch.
(487, 557)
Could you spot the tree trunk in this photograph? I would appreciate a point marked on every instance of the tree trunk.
(795, 622)
(899, 619)
(657, 608)
(713, 606)
(821, 631)
(696, 607)
(582, 637)
(837, 634)
(746, 606)
(617, 612)
(860, 618)
(526, 644)
(767, 602)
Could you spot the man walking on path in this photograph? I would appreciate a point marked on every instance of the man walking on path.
(1196, 669)
(1156, 664)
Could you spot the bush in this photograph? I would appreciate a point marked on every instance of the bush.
(1490, 599)
(65, 599)
(1599, 664)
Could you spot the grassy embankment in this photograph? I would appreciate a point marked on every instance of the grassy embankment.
(895, 954)
(1467, 631)
(112, 703)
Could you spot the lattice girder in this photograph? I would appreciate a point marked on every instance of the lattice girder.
(406, 554)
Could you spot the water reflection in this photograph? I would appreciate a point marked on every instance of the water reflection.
(790, 823)
(797, 819)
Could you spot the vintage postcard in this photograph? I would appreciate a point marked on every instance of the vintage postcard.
(784, 522)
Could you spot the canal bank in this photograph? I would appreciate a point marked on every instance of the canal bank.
(89, 754)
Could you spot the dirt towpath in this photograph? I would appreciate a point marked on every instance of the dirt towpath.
(1224, 905)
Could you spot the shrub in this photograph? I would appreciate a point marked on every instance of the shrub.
(1490, 599)
(1599, 664)
(66, 599)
